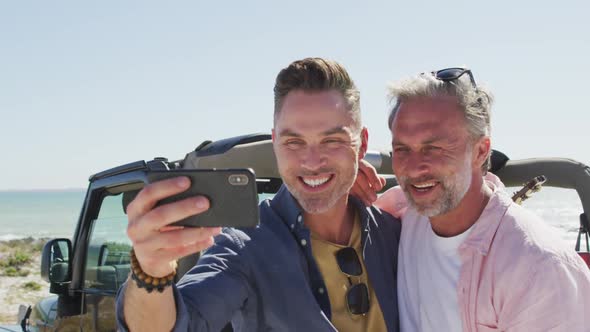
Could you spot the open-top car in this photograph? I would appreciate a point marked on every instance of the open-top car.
(85, 271)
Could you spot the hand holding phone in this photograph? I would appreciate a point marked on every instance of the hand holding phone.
(231, 192)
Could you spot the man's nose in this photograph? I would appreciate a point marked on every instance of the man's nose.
(313, 158)
(416, 165)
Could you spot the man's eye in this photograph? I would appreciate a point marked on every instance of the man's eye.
(432, 148)
(333, 142)
(400, 149)
(293, 144)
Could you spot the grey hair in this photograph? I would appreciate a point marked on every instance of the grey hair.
(476, 103)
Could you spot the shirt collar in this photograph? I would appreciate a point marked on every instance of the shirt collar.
(483, 231)
(285, 205)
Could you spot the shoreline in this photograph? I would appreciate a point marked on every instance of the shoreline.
(20, 276)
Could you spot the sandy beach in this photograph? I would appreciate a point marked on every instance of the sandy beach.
(20, 289)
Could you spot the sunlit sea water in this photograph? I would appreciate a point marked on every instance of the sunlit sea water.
(55, 214)
(39, 213)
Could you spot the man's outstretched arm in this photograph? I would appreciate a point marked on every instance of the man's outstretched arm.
(157, 245)
(143, 311)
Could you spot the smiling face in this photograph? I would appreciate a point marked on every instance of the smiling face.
(317, 146)
(433, 154)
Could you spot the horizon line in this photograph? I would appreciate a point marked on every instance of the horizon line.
(41, 189)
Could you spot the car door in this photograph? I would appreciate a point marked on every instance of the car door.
(107, 266)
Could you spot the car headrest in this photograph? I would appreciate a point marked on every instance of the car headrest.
(128, 196)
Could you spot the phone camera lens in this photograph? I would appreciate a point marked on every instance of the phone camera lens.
(238, 179)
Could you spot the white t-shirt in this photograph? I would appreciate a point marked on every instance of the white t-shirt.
(428, 272)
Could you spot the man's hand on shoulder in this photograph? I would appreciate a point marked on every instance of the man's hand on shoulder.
(367, 183)
(393, 201)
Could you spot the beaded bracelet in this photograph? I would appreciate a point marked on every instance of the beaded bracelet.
(144, 280)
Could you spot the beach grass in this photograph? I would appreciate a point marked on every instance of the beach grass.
(17, 255)
(20, 277)
(31, 286)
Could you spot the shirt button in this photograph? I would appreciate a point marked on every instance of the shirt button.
(299, 218)
(303, 242)
(292, 226)
(321, 290)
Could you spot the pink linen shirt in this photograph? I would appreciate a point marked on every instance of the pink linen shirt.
(516, 274)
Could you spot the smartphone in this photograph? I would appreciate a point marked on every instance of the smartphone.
(233, 200)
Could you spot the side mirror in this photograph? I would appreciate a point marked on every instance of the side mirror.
(55, 261)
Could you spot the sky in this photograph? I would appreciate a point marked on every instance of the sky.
(88, 86)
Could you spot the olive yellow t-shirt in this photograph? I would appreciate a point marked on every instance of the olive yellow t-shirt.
(337, 284)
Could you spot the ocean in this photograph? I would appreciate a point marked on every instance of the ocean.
(40, 214)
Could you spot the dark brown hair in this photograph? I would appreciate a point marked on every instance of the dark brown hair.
(317, 75)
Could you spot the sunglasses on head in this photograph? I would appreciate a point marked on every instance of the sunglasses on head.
(452, 74)
(357, 296)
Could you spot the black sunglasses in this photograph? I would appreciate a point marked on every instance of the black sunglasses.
(451, 74)
(357, 296)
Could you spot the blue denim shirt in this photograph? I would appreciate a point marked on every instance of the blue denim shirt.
(266, 279)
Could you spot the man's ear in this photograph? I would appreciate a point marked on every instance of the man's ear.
(481, 151)
(273, 135)
(364, 142)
